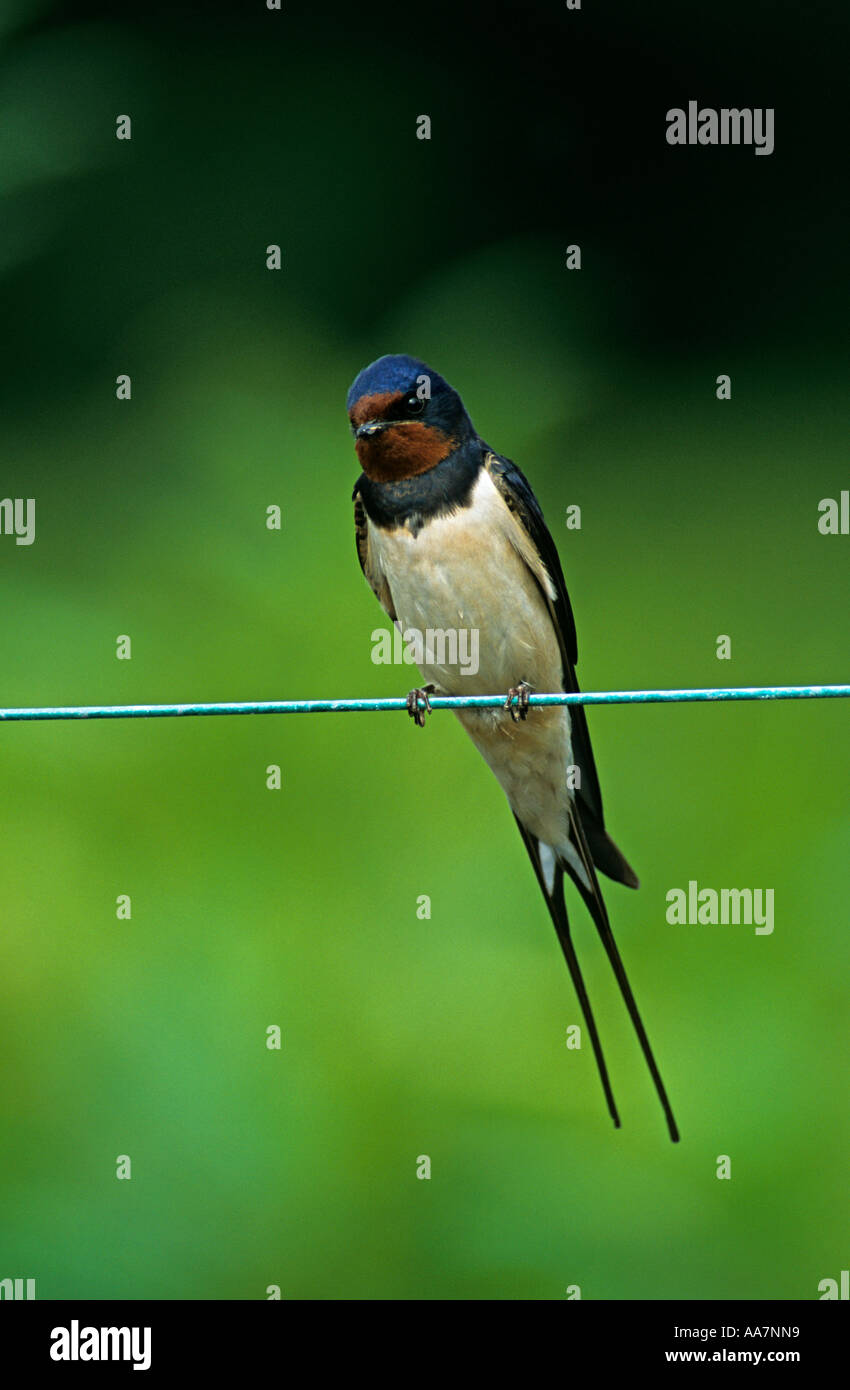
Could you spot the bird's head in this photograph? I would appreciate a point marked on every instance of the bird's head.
(405, 418)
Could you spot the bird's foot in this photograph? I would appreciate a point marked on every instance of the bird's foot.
(520, 693)
(420, 693)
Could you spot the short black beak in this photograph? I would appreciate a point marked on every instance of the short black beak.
(370, 427)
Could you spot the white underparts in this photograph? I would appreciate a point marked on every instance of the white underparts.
(548, 864)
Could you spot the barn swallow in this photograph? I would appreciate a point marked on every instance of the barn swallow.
(450, 536)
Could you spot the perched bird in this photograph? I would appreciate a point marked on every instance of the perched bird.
(451, 537)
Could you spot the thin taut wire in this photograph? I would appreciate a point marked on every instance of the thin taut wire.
(585, 697)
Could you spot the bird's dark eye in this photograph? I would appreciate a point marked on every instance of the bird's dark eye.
(414, 405)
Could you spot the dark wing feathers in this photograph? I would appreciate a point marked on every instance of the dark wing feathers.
(361, 532)
(376, 582)
(519, 497)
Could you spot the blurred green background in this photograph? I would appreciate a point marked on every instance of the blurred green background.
(297, 907)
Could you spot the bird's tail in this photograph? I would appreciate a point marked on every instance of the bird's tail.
(553, 892)
(550, 876)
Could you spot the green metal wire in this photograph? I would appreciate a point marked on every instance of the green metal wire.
(585, 697)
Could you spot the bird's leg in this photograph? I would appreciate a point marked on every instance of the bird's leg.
(420, 693)
(520, 693)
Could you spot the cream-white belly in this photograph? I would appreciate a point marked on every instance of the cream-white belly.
(463, 574)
